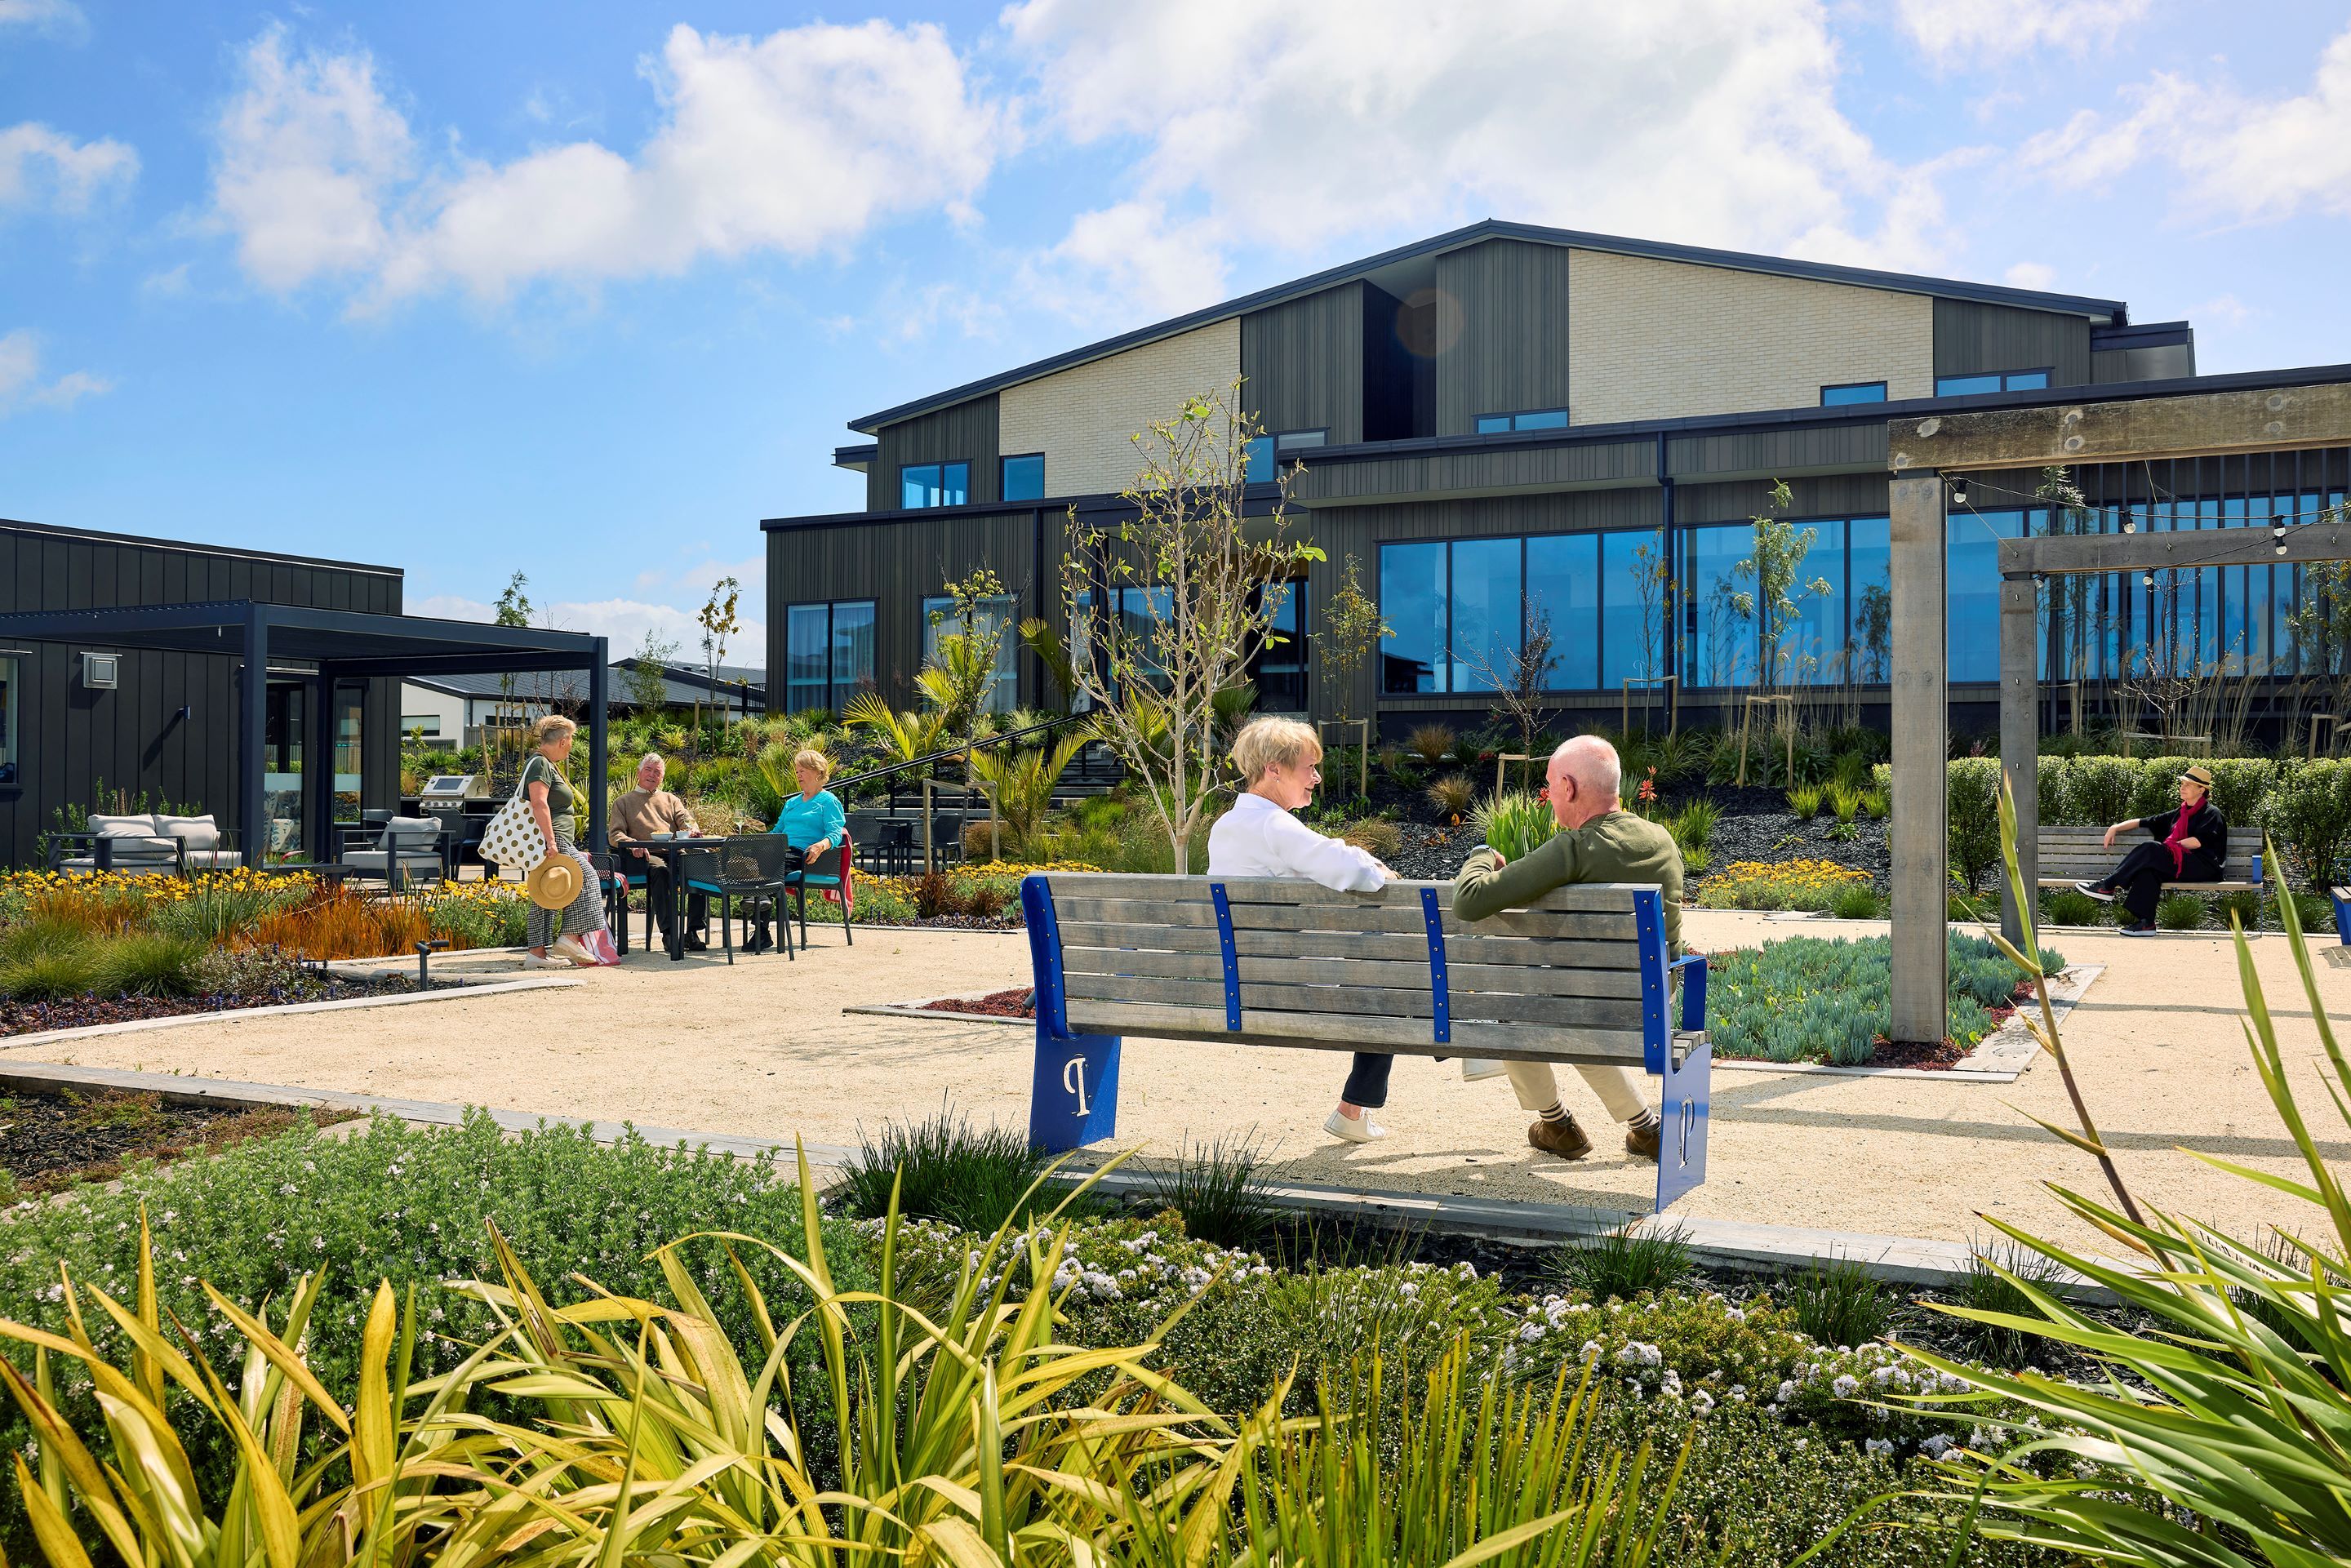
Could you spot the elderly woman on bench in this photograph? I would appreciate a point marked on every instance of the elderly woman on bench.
(1279, 761)
(2188, 843)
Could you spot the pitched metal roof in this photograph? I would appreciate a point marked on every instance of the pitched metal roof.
(2105, 312)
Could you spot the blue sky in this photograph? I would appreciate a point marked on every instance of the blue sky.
(585, 290)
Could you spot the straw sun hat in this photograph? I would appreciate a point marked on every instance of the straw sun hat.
(553, 882)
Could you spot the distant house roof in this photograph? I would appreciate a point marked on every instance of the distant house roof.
(2101, 312)
(684, 685)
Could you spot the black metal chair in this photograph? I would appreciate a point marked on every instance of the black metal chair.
(753, 867)
(829, 872)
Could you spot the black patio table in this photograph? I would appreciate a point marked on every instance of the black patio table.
(673, 852)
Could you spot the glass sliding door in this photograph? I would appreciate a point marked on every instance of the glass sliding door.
(285, 733)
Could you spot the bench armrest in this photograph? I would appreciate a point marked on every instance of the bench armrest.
(1693, 991)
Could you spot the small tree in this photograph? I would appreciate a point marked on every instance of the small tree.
(1154, 661)
(1352, 629)
(959, 674)
(1776, 589)
(647, 687)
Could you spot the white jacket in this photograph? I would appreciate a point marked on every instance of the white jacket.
(1258, 838)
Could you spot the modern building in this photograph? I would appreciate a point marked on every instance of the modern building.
(1507, 427)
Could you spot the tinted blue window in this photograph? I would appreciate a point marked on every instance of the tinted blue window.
(1280, 667)
(1857, 392)
(1717, 607)
(1548, 419)
(1636, 588)
(2028, 381)
(1869, 626)
(1812, 639)
(1486, 608)
(1965, 386)
(828, 652)
(918, 484)
(1493, 423)
(1412, 599)
(1024, 479)
(807, 634)
(1258, 454)
(1564, 583)
(853, 650)
(954, 485)
(1971, 589)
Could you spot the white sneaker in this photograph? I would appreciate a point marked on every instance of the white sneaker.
(544, 961)
(1354, 1129)
(1475, 1070)
(571, 950)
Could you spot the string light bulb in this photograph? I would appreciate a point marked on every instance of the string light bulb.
(2148, 579)
(2131, 521)
(1958, 492)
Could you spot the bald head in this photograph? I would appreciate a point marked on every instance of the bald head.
(1585, 778)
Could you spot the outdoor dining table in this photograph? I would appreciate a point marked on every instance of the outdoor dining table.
(673, 852)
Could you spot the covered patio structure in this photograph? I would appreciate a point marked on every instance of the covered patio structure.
(341, 644)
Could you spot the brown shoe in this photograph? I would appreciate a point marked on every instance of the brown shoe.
(1644, 1141)
(1565, 1139)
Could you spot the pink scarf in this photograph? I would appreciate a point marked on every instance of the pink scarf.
(2179, 831)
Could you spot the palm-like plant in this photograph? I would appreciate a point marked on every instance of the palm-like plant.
(1020, 782)
(2224, 1435)
(905, 735)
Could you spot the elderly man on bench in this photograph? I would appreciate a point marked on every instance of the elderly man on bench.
(1598, 841)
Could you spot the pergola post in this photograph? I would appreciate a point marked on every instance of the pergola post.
(319, 771)
(252, 722)
(2019, 740)
(1921, 656)
(600, 677)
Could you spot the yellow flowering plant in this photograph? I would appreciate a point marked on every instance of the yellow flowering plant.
(1783, 884)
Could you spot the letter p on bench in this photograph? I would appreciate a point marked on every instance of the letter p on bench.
(1581, 978)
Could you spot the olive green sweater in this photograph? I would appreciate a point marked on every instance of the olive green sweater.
(1618, 847)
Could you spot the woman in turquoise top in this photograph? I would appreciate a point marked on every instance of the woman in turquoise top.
(812, 822)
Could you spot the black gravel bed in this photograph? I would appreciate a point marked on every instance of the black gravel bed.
(81, 1013)
(47, 1141)
(1781, 835)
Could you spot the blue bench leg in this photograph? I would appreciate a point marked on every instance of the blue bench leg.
(1074, 1100)
(1681, 1153)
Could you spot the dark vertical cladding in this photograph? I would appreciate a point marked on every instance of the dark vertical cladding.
(137, 736)
(1390, 368)
(1971, 337)
(1303, 363)
(897, 564)
(1509, 352)
(963, 434)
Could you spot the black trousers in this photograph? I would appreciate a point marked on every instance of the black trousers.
(697, 905)
(2140, 879)
(1367, 1080)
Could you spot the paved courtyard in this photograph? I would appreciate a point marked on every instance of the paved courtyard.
(765, 1050)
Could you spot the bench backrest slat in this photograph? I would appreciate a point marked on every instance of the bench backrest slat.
(1533, 980)
(1479, 947)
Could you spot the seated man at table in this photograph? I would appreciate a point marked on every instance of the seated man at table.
(640, 814)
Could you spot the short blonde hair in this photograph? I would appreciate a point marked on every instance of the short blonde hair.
(809, 756)
(1273, 742)
(551, 727)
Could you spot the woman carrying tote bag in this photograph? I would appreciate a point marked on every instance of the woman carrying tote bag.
(571, 931)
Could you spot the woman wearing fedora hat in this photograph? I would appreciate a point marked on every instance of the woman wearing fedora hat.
(565, 905)
(2189, 844)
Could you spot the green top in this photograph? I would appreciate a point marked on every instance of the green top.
(561, 798)
(1618, 847)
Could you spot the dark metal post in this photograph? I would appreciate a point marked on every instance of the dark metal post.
(318, 775)
(252, 719)
(600, 679)
(2019, 740)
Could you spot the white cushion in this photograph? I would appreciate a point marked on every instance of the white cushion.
(411, 829)
(213, 860)
(140, 827)
(136, 841)
(196, 832)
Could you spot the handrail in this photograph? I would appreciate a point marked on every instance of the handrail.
(964, 750)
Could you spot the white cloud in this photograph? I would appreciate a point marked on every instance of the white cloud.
(1972, 30)
(1711, 122)
(2031, 275)
(792, 144)
(43, 167)
(54, 19)
(2251, 159)
(21, 386)
(622, 623)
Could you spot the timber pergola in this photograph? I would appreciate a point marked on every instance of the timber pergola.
(1921, 453)
(343, 644)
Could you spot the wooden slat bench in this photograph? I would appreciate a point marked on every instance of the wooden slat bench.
(2069, 855)
(1583, 978)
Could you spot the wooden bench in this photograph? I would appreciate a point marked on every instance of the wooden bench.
(1581, 978)
(2069, 855)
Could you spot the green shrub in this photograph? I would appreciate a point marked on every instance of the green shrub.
(2067, 907)
(943, 1168)
(1845, 800)
(1806, 800)
(2158, 787)
(48, 973)
(2316, 909)
(1963, 909)
(2241, 789)
(2244, 907)
(1856, 902)
(2098, 790)
(1992, 1284)
(1216, 1189)
(1694, 828)
(2181, 912)
(147, 964)
(1815, 999)
(1515, 823)
(1626, 1262)
(2310, 818)
(1836, 1302)
(2056, 805)
(1973, 816)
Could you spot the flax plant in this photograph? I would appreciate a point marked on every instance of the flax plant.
(2223, 1435)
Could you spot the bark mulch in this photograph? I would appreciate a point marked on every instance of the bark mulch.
(51, 1141)
(81, 1013)
(1020, 1002)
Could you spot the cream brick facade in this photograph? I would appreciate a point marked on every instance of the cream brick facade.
(1082, 419)
(1664, 340)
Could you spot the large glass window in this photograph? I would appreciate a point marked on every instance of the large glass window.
(828, 652)
(1975, 382)
(1853, 392)
(1413, 601)
(1280, 667)
(1487, 609)
(11, 684)
(1563, 590)
(1869, 626)
(1462, 610)
(1635, 590)
(1841, 629)
(1971, 590)
(934, 484)
(1719, 630)
(1024, 477)
(350, 713)
(996, 616)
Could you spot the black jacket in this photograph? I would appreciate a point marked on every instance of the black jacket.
(2205, 827)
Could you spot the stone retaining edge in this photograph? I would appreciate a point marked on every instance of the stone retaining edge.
(231, 1015)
